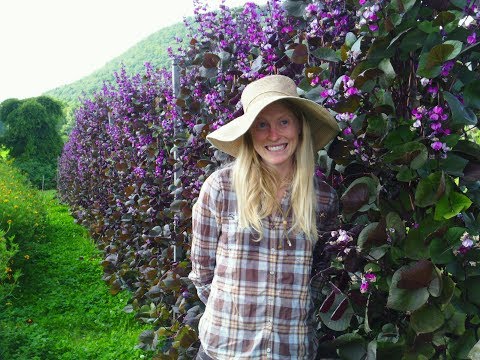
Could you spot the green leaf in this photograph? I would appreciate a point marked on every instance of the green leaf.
(439, 54)
(426, 71)
(405, 174)
(441, 251)
(402, 6)
(469, 148)
(474, 353)
(350, 104)
(298, 55)
(435, 286)
(455, 321)
(350, 39)
(471, 94)
(377, 126)
(414, 154)
(472, 289)
(360, 195)
(428, 27)
(453, 164)
(294, 8)
(451, 205)
(327, 54)
(399, 136)
(344, 322)
(372, 350)
(443, 18)
(461, 115)
(405, 299)
(353, 351)
(413, 40)
(430, 189)
(395, 227)
(363, 240)
(386, 66)
(184, 338)
(460, 347)
(448, 289)
(426, 319)
(415, 246)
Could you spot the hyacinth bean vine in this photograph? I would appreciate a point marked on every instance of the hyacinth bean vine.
(400, 277)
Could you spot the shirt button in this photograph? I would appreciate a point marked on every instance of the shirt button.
(272, 272)
(273, 250)
(270, 300)
(268, 350)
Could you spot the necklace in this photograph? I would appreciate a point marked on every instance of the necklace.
(285, 222)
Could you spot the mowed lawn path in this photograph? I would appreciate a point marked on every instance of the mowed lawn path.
(63, 309)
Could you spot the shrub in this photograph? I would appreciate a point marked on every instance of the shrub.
(22, 218)
(8, 276)
(399, 277)
(21, 210)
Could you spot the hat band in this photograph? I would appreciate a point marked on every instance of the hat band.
(265, 94)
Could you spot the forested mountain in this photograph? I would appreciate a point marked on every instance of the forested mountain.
(152, 49)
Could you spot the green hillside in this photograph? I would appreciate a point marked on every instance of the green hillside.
(152, 49)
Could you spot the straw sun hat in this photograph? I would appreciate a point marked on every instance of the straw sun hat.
(260, 93)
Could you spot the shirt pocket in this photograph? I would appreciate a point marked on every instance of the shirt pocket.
(228, 234)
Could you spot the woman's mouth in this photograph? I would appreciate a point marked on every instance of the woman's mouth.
(274, 148)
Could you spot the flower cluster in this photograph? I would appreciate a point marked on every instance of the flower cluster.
(367, 279)
(468, 242)
(433, 123)
(369, 14)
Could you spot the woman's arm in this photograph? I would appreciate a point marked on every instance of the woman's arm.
(205, 232)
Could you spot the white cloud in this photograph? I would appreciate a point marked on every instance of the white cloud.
(51, 43)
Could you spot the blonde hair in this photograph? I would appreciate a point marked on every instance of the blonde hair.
(256, 185)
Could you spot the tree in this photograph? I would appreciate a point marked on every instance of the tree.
(31, 136)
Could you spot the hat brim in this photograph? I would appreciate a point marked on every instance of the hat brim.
(323, 125)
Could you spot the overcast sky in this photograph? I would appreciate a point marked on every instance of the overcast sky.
(50, 43)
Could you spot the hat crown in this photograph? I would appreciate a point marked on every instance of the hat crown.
(268, 86)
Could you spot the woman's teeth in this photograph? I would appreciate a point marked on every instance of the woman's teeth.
(276, 147)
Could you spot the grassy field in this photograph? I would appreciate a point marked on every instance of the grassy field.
(62, 309)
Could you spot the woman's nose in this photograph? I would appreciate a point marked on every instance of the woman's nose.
(273, 133)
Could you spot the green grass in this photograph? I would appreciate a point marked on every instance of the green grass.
(62, 309)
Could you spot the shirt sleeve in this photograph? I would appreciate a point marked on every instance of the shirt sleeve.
(328, 209)
(205, 231)
(332, 220)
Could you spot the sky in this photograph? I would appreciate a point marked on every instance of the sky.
(49, 43)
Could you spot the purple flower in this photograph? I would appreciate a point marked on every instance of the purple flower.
(447, 67)
(364, 286)
(436, 126)
(315, 80)
(311, 9)
(370, 277)
(468, 243)
(139, 172)
(433, 89)
(351, 91)
(418, 112)
(472, 38)
(437, 145)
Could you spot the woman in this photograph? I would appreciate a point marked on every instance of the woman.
(255, 224)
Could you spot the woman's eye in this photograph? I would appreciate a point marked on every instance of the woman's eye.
(261, 125)
(284, 122)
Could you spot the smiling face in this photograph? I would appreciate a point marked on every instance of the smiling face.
(275, 135)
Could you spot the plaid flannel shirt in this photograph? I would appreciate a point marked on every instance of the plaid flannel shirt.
(257, 294)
